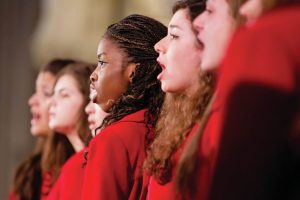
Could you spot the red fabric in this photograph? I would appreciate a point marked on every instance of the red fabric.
(70, 181)
(115, 160)
(13, 196)
(254, 154)
(167, 191)
(45, 188)
(46, 185)
(208, 153)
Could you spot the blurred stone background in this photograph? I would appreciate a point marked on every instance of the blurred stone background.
(36, 31)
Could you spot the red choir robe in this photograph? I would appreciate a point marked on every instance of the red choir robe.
(46, 185)
(13, 196)
(167, 191)
(45, 188)
(70, 181)
(258, 152)
(114, 168)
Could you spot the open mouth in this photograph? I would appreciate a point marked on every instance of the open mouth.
(199, 43)
(163, 67)
(161, 64)
(51, 114)
(35, 118)
(93, 93)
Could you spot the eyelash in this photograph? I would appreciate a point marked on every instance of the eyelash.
(101, 63)
(173, 36)
(209, 11)
(64, 95)
(48, 94)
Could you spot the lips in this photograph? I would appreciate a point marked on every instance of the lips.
(161, 64)
(91, 125)
(200, 41)
(163, 67)
(93, 93)
(35, 118)
(51, 113)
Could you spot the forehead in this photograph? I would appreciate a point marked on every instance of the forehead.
(179, 18)
(212, 1)
(221, 3)
(66, 82)
(108, 47)
(45, 80)
(45, 77)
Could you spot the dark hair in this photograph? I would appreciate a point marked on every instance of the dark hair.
(56, 65)
(136, 35)
(195, 7)
(28, 176)
(270, 4)
(58, 148)
(234, 6)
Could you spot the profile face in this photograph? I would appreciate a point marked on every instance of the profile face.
(251, 10)
(109, 80)
(215, 27)
(95, 115)
(66, 105)
(179, 55)
(39, 104)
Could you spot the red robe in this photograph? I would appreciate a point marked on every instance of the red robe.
(70, 181)
(258, 143)
(46, 185)
(115, 160)
(45, 188)
(167, 191)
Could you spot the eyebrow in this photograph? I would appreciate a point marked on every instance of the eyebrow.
(174, 26)
(62, 90)
(99, 55)
(46, 87)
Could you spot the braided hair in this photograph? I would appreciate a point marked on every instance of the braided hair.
(136, 35)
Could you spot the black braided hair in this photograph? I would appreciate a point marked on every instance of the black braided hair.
(136, 35)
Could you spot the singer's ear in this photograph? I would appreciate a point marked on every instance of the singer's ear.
(130, 71)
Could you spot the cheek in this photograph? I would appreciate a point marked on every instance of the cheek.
(111, 86)
(75, 109)
(97, 121)
(44, 114)
(69, 109)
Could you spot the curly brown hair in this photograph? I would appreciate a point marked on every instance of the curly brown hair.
(179, 114)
